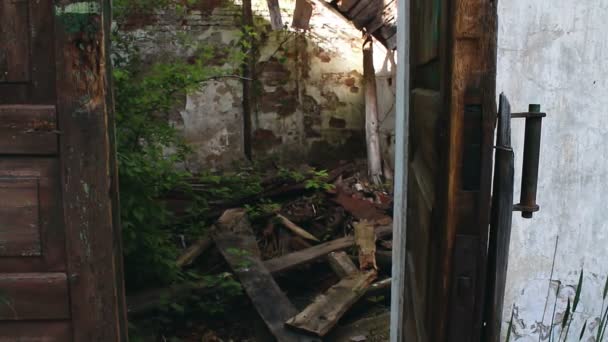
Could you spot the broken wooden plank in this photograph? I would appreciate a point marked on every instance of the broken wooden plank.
(346, 5)
(193, 252)
(235, 240)
(367, 12)
(275, 14)
(360, 208)
(365, 239)
(292, 260)
(295, 228)
(379, 288)
(341, 264)
(327, 308)
(302, 14)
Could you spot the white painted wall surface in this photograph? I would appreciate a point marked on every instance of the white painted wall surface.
(556, 53)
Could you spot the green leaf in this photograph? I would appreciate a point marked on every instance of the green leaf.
(602, 326)
(510, 326)
(605, 288)
(580, 338)
(579, 287)
(566, 315)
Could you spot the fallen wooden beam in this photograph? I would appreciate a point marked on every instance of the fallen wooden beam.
(194, 251)
(327, 308)
(341, 264)
(238, 245)
(305, 256)
(379, 288)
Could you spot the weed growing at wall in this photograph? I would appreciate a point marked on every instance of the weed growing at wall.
(569, 315)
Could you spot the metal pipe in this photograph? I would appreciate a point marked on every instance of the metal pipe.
(529, 178)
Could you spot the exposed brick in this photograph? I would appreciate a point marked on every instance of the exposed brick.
(279, 101)
(323, 56)
(349, 82)
(274, 73)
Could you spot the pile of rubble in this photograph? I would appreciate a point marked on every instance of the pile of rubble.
(346, 226)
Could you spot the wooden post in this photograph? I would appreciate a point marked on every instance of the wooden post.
(402, 112)
(374, 156)
(302, 14)
(275, 14)
(88, 171)
(248, 71)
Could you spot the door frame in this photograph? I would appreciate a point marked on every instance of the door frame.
(88, 170)
(468, 51)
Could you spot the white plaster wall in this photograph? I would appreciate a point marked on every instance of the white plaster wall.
(556, 53)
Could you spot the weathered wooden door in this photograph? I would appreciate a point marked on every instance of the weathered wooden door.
(59, 250)
(452, 106)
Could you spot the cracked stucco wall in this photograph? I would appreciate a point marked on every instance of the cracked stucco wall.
(555, 53)
(309, 103)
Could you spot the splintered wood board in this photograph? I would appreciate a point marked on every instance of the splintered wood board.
(237, 244)
(295, 259)
(323, 314)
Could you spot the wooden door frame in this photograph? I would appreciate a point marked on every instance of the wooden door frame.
(88, 170)
(468, 61)
(400, 193)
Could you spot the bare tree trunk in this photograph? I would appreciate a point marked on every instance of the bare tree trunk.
(374, 156)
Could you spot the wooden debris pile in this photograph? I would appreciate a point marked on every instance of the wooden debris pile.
(344, 229)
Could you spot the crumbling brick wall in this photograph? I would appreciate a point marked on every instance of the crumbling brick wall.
(309, 101)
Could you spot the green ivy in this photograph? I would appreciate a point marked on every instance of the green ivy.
(151, 156)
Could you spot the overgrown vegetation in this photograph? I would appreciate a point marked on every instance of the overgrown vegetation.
(570, 315)
(152, 159)
(152, 164)
(147, 171)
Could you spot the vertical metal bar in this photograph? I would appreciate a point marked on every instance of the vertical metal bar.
(398, 299)
(529, 179)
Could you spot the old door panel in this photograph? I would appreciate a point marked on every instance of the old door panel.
(28, 296)
(19, 220)
(426, 104)
(27, 70)
(31, 231)
(426, 34)
(14, 41)
(451, 105)
(420, 230)
(28, 129)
